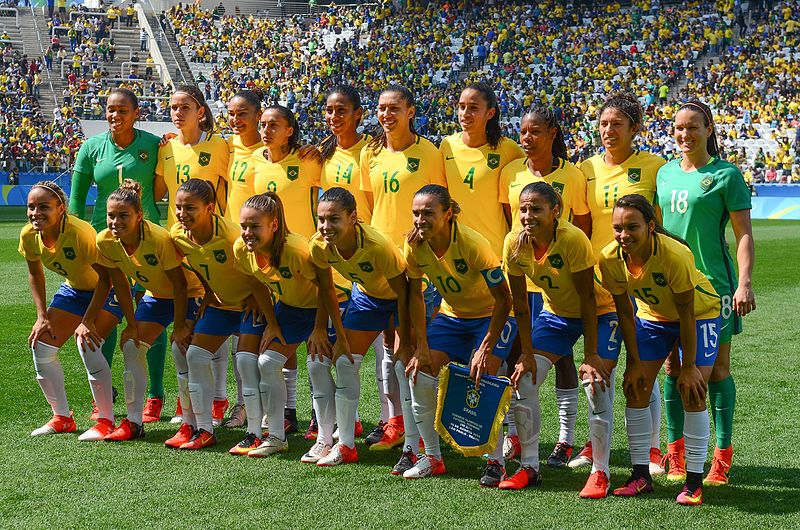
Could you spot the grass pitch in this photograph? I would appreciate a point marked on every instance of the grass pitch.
(59, 482)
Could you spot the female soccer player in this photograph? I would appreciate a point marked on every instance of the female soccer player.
(558, 257)
(144, 252)
(394, 165)
(676, 306)
(206, 240)
(699, 193)
(379, 300)
(244, 113)
(474, 316)
(546, 160)
(619, 170)
(105, 160)
(279, 168)
(269, 252)
(196, 152)
(83, 305)
(341, 166)
(473, 161)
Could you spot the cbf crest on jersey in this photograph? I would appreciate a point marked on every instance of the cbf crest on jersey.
(143, 155)
(220, 256)
(556, 261)
(366, 266)
(292, 172)
(493, 160)
(634, 174)
(660, 280)
(204, 158)
(461, 265)
(707, 183)
(69, 253)
(285, 272)
(151, 259)
(412, 165)
(559, 187)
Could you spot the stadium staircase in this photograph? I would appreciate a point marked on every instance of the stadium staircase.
(176, 62)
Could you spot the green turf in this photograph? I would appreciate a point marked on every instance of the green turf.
(60, 482)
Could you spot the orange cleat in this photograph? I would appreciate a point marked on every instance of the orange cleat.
(250, 442)
(584, 458)
(218, 411)
(200, 440)
(95, 415)
(393, 435)
(127, 430)
(676, 461)
(720, 467)
(183, 435)
(525, 477)
(596, 487)
(56, 425)
(427, 466)
(100, 430)
(359, 429)
(690, 498)
(339, 454)
(152, 410)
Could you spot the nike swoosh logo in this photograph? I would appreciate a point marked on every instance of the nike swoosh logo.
(99, 159)
(589, 180)
(96, 372)
(423, 264)
(514, 185)
(334, 261)
(612, 348)
(169, 157)
(709, 355)
(449, 158)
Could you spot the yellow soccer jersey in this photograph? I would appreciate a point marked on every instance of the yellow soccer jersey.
(294, 181)
(605, 184)
(670, 269)
(473, 178)
(566, 179)
(214, 261)
(241, 175)
(147, 265)
(394, 178)
(72, 255)
(343, 169)
(291, 281)
(376, 259)
(208, 160)
(462, 275)
(569, 252)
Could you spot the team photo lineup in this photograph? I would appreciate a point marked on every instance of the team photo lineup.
(495, 254)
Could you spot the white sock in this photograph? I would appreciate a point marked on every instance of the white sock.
(695, 439)
(272, 388)
(182, 372)
(567, 400)
(201, 384)
(509, 417)
(247, 363)
(219, 370)
(348, 389)
(655, 415)
(50, 376)
(637, 423)
(134, 378)
(409, 423)
(601, 425)
(236, 375)
(290, 378)
(99, 379)
(497, 453)
(528, 413)
(423, 401)
(319, 370)
(380, 378)
(391, 386)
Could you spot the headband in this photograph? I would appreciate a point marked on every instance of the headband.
(51, 189)
(626, 113)
(188, 94)
(695, 105)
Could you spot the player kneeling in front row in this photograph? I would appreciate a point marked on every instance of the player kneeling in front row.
(474, 316)
(676, 306)
(145, 253)
(83, 305)
(557, 256)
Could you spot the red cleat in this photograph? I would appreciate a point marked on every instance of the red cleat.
(183, 435)
(152, 410)
(127, 430)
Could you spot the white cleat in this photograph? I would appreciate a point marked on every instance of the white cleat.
(339, 454)
(100, 430)
(318, 451)
(265, 422)
(270, 446)
(427, 466)
(176, 419)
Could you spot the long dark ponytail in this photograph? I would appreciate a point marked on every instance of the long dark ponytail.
(708, 120)
(493, 132)
(550, 119)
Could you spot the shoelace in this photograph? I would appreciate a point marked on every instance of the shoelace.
(671, 459)
(718, 467)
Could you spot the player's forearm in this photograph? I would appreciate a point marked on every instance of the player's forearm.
(79, 191)
(38, 287)
(745, 258)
